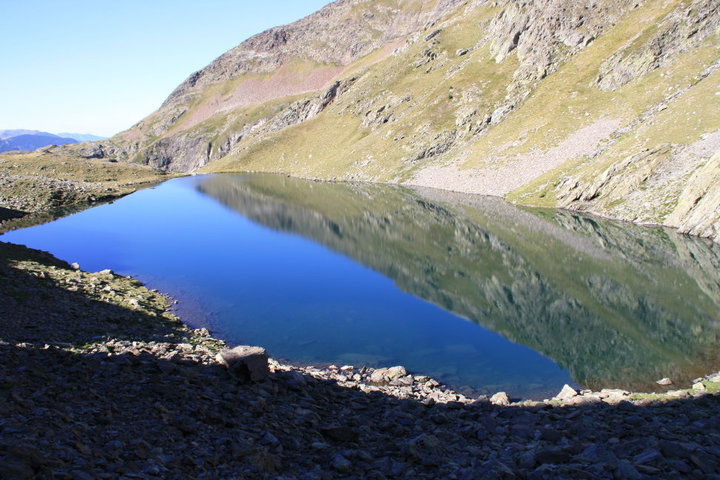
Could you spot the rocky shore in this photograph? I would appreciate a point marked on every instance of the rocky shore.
(99, 380)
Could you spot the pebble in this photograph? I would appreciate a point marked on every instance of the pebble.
(341, 464)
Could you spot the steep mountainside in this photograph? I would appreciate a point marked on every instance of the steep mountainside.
(610, 106)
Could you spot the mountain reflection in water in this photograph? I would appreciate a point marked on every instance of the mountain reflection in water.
(615, 304)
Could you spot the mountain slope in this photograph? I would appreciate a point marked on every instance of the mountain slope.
(611, 107)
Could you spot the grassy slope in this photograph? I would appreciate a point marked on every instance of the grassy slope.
(440, 94)
(337, 145)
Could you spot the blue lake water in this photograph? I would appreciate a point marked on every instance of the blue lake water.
(477, 293)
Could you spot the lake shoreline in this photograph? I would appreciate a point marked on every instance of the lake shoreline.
(418, 186)
(583, 395)
(343, 420)
(41, 211)
(390, 383)
(99, 378)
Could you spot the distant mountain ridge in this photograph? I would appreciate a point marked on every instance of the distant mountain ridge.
(22, 139)
(4, 134)
(30, 141)
(82, 137)
(610, 107)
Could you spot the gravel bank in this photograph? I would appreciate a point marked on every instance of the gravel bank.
(99, 380)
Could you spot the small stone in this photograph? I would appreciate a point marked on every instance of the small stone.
(704, 462)
(16, 470)
(699, 386)
(597, 453)
(267, 462)
(673, 449)
(80, 475)
(246, 363)
(296, 380)
(500, 398)
(341, 464)
(378, 376)
(664, 382)
(526, 460)
(552, 455)
(75, 266)
(394, 373)
(566, 393)
(614, 392)
(340, 433)
(432, 34)
(626, 471)
(551, 434)
(406, 380)
(648, 456)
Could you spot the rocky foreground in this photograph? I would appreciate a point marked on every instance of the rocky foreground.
(99, 380)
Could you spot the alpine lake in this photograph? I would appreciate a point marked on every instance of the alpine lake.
(480, 294)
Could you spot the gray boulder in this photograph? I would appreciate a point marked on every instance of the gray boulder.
(246, 363)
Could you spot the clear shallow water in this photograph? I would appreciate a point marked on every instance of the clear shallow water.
(471, 290)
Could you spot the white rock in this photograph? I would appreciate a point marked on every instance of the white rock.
(378, 376)
(396, 372)
(664, 382)
(566, 393)
(500, 398)
(614, 392)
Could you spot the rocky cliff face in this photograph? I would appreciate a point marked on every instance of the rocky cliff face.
(611, 107)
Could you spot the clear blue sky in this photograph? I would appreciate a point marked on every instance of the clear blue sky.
(100, 66)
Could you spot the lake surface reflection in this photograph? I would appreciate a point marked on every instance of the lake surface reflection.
(476, 292)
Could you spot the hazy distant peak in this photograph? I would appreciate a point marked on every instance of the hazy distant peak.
(4, 134)
(82, 137)
(16, 140)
